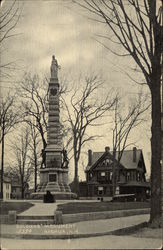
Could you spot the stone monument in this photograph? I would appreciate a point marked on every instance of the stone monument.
(54, 170)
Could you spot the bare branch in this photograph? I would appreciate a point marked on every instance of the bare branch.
(85, 110)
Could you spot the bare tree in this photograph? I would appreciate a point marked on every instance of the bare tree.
(34, 94)
(123, 124)
(34, 146)
(135, 26)
(9, 117)
(21, 151)
(9, 18)
(34, 102)
(84, 111)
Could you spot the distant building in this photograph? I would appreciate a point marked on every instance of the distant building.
(130, 174)
(6, 188)
(12, 188)
(15, 189)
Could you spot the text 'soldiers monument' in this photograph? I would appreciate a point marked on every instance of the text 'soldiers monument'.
(54, 173)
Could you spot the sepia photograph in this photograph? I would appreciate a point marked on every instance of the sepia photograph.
(81, 124)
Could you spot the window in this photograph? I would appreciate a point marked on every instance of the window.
(108, 161)
(100, 190)
(134, 176)
(128, 176)
(117, 190)
(103, 173)
(89, 176)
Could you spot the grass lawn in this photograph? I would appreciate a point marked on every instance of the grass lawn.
(16, 206)
(148, 233)
(87, 207)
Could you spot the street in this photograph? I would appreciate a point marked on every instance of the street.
(102, 242)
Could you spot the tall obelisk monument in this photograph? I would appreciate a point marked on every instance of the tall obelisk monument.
(54, 175)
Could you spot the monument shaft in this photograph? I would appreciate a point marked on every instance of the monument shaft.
(54, 174)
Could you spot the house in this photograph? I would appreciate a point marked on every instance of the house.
(6, 188)
(12, 188)
(16, 189)
(130, 174)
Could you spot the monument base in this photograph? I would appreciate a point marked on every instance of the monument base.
(57, 195)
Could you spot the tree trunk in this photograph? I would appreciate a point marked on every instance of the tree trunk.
(35, 185)
(22, 193)
(75, 162)
(156, 154)
(22, 187)
(35, 188)
(2, 164)
(76, 172)
(162, 160)
(114, 174)
(76, 180)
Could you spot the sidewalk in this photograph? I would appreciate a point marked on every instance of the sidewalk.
(75, 230)
(41, 209)
(46, 209)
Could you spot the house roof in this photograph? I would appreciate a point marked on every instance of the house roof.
(126, 159)
(96, 156)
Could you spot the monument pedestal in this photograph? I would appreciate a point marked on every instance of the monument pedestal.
(54, 180)
(54, 177)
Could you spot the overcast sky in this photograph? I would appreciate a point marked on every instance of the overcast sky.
(56, 27)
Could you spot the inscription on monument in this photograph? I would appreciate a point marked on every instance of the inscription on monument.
(52, 177)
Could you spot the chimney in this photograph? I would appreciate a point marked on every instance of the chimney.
(134, 154)
(107, 149)
(89, 157)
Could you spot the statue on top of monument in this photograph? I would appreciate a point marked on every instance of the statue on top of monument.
(54, 67)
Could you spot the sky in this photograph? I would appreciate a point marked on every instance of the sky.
(58, 27)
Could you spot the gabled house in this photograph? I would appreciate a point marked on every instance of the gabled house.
(130, 173)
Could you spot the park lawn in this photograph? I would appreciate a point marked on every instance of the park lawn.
(88, 207)
(17, 206)
(147, 232)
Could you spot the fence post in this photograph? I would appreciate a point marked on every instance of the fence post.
(12, 217)
(58, 217)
